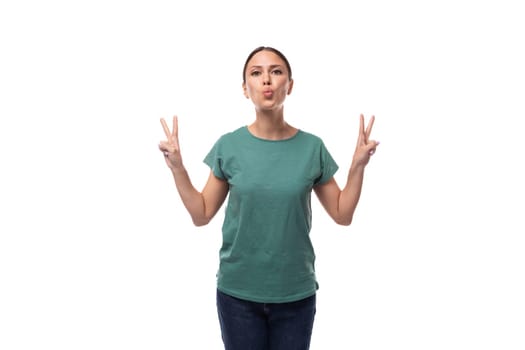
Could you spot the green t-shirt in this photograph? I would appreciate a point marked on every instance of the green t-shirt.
(266, 254)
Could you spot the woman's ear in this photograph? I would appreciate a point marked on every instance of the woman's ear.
(290, 87)
(245, 90)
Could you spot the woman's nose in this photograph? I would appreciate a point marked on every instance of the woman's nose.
(266, 79)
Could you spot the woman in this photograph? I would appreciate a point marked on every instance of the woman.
(266, 281)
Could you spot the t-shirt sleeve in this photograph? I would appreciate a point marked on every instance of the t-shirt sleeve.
(328, 165)
(214, 160)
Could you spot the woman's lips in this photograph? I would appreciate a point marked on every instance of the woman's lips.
(268, 93)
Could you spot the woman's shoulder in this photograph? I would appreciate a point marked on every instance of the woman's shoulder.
(232, 136)
(310, 136)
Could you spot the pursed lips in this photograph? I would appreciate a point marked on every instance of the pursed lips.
(268, 93)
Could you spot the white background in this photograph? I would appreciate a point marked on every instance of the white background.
(96, 249)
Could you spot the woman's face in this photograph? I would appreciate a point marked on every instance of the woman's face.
(267, 81)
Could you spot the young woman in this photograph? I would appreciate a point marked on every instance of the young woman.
(266, 282)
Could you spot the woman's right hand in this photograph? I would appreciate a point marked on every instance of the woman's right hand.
(170, 148)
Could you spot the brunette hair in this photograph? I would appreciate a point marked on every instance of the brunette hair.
(271, 49)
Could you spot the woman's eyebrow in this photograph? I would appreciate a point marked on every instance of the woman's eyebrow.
(271, 66)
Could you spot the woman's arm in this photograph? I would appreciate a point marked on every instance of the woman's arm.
(202, 206)
(341, 204)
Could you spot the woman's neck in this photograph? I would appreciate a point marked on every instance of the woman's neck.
(271, 126)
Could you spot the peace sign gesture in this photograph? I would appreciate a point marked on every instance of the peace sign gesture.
(171, 148)
(365, 147)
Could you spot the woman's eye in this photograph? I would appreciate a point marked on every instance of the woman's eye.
(255, 73)
(277, 72)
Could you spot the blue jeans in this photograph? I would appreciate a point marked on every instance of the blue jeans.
(247, 325)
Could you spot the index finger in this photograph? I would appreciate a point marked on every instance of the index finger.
(166, 128)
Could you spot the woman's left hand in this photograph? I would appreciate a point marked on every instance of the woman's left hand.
(365, 147)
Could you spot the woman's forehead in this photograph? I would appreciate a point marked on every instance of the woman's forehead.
(265, 58)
